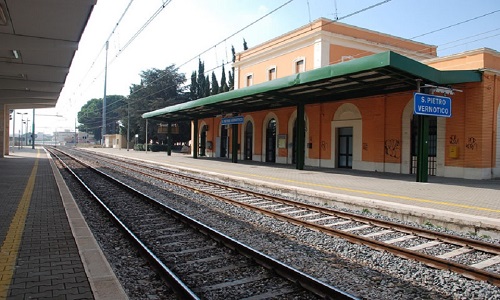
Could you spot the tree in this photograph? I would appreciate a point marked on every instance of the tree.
(159, 88)
(90, 115)
(193, 88)
(215, 85)
(206, 91)
(223, 84)
(202, 83)
(230, 81)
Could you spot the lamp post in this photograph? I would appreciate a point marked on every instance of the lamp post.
(26, 133)
(33, 131)
(21, 131)
(13, 130)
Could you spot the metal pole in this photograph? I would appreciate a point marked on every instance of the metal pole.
(128, 123)
(33, 131)
(26, 133)
(146, 136)
(169, 139)
(234, 144)
(13, 130)
(194, 142)
(103, 130)
(423, 147)
(76, 135)
(301, 137)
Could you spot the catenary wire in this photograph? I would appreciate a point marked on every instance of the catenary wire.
(359, 11)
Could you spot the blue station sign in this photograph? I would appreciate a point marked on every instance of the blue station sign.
(432, 105)
(232, 120)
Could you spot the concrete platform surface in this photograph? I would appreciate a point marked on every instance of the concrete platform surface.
(46, 249)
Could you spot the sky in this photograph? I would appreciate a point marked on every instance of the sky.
(180, 32)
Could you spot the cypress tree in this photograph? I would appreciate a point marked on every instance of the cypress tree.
(215, 85)
(223, 84)
(193, 89)
(202, 83)
(230, 81)
(206, 91)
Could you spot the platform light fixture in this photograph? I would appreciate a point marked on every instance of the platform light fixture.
(442, 89)
(3, 18)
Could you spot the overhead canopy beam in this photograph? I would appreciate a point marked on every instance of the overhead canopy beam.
(11, 42)
(378, 74)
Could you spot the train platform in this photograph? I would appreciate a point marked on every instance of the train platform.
(48, 252)
(46, 249)
(471, 206)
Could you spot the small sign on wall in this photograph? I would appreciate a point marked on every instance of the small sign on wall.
(282, 141)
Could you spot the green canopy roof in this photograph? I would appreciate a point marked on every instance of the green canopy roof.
(382, 73)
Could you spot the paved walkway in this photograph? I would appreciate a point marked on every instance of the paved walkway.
(460, 204)
(46, 249)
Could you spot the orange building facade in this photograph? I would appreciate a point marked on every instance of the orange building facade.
(376, 133)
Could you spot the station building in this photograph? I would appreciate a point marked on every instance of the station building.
(332, 95)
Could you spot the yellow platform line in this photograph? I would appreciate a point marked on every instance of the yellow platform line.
(12, 242)
(364, 192)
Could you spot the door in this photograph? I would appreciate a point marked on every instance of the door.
(248, 140)
(432, 144)
(223, 141)
(294, 143)
(271, 141)
(203, 142)
(344, 157)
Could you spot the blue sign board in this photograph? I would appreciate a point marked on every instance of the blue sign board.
(431, 105)
(232, 120)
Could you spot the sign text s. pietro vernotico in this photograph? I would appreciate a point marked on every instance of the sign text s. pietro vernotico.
(432, 105)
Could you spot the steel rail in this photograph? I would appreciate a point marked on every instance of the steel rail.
(306, 281)
(174, 282)
(436, 262)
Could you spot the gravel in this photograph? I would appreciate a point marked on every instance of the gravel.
(356, 269)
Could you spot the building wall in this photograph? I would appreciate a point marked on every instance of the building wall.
(310, 42)
(381, 124)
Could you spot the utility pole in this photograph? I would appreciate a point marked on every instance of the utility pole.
(76, 135)
(13, 130)
(128, 122)
(103, 130)
(33, 131)
(146, 136)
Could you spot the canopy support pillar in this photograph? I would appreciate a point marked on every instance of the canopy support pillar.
(169, 139)
(301, 137)
(195, 139)
(423, 144)
(234, 143)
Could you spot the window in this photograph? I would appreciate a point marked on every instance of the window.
(299, 66)
(271, 73)
(249, 80)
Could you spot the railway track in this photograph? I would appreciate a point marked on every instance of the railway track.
(197, 261)
(438, 250)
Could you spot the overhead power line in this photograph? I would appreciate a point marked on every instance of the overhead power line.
(453, 25)
(245, 27)
(106, 41)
